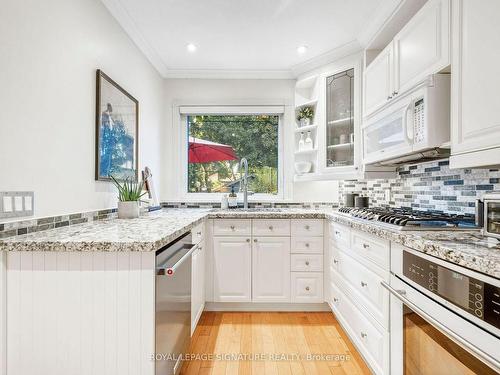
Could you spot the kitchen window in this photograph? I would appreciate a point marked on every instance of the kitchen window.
(216, 138)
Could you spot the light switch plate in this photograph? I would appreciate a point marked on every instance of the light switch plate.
(16, 204)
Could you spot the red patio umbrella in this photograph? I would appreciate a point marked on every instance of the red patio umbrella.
(203, 151)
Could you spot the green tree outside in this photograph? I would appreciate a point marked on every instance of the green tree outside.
(254, 137)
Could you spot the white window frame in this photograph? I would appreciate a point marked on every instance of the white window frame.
(180, 113)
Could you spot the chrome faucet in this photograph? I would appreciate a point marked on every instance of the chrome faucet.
(244, 182)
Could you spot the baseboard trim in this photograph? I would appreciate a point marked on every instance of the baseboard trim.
(268, 306)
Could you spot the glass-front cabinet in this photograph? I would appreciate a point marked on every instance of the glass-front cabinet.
(340, 119)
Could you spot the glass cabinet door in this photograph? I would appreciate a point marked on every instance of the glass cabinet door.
(340, 119)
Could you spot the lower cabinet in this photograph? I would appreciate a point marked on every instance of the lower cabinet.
(271, 269)
(307, 287)
(197, 285)
(232, 276)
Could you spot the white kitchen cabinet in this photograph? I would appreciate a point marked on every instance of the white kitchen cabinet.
(379, 81)
(271, 269)
(307, 287)
(475, 123)
(232, 269)
(197, 285)
(422, 47)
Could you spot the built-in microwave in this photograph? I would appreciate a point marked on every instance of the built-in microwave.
(412, 127)
(491, 207)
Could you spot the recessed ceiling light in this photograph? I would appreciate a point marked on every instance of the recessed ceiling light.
(191, 47)
(302, 49)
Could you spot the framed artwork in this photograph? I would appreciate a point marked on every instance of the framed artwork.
(117, 129)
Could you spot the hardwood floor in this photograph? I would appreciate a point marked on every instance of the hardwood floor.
(250, 338)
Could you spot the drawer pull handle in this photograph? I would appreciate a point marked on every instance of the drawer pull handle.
(307, 263)
(248, 239)
(337, 232)
(271, 227)
(307, 244)
(335, 299)
(363, 284)
(366, 246)
(307, 227)
(363, 335)
(232, 227)
(307, 288)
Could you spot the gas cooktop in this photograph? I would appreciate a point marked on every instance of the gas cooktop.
(408, 219)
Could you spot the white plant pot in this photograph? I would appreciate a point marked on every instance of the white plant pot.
(305, 122)
(128, 210)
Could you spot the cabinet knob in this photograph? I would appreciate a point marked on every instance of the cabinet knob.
(363, 284)
(232, 227)
(307, 263)
(363, 334)
(394, 93)
(271, 227)
(255, 240)
(307, 244)
(248, 239)
(335, 299)
(389, 97)
(335, 261)
(307, 288)
(366, 246)
(198, 233)
(337, 232)
(307, 227)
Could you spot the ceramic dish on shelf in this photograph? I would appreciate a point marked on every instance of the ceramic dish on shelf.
(302, 167)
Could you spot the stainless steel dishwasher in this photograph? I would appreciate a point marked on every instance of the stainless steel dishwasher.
(173, 304)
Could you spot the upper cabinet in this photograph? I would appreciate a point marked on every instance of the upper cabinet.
(421, 48)
(475, 132)
(379, 81)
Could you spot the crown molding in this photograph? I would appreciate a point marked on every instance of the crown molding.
(228, 74)
(377, 21)
(326, 58)
(118, 11)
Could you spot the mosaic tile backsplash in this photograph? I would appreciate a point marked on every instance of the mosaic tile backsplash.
(428, 186)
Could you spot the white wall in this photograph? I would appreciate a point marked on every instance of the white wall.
(229, 91)
(49, 53)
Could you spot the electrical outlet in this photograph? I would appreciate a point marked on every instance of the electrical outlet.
(16, 203)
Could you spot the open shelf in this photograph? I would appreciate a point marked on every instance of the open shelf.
(305, 128)
(305, 152)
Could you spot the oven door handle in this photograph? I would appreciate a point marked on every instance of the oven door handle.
(481, 355)
(165, 269)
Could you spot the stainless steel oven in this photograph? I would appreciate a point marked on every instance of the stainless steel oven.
(173, 304)
(445, 320)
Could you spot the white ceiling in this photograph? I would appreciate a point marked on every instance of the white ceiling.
(238, 37)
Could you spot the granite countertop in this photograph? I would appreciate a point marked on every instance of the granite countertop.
(156, 229)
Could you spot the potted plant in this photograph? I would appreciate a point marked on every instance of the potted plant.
(129, 196)
(305, 116)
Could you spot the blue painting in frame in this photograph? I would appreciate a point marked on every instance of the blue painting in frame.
(117, 129)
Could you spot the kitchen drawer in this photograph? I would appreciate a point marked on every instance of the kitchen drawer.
(372, 341)
(307, 227)
(307, 245)
(272, 227)
(340, 235)
(232, 227)
(307, 263)
(366, 287)
(198, 233)
(372, 248)
(307, 287)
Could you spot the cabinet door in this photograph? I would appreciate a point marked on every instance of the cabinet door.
(232, 269)
(422, 47)
(271, 269)
(378, 81)
(475, 78)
